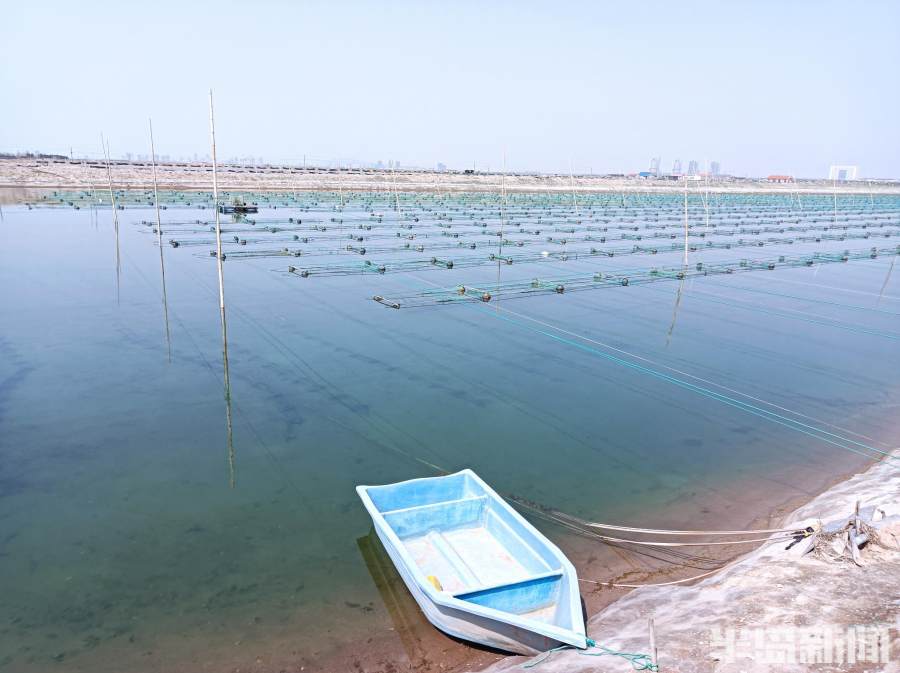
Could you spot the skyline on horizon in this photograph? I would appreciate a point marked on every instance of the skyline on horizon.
(762, 89)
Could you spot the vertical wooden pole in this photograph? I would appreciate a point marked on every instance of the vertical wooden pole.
(115, 209)
(503, 210)
(685, 260)
(212, 133)
(572, 181)
(226, 372)
(834, 192)
(112, 195)
(162, 266)
(396, 191)
(653, 652)
(706, 199)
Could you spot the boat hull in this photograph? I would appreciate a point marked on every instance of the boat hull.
(477, 569)
(465, 625)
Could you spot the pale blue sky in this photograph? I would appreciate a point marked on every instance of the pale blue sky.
(763, 87)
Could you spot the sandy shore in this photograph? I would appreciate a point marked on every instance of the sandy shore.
(75, 174)
(774, 608)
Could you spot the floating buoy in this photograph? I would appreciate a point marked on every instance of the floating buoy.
(386, 302)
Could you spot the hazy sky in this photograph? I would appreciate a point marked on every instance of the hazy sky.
(762, 87)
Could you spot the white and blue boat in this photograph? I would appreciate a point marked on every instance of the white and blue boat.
(478, 570)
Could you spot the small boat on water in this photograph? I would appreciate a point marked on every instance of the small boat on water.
(475, 566)
(238, 208)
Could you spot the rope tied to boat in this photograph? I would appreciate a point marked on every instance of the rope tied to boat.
(638, 661)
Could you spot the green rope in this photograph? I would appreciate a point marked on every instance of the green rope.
(639, 662)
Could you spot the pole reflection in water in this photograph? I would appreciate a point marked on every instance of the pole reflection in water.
(228, 430)
(675, 312)
(887, 280)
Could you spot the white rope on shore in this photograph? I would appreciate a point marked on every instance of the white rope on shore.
(652, 543)
(664, 531)
(657, 531)
(660, 584)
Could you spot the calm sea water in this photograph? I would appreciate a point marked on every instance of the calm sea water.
(131, 538)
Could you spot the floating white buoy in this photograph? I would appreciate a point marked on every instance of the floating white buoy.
(544, 253)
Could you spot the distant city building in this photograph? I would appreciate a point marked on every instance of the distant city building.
(843, 172)
(693, 167)
(780, 178)
(714, 168)
(441, 167)
(676, 167)
(654, 166)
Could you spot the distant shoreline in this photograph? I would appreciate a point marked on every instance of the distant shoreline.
(35, 173)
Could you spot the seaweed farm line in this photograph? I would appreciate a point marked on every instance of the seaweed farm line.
(458, 232)
(172, 498)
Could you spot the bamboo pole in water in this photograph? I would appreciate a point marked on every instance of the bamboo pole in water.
(685, 224)
(162, 266)
(396, 191)
(834, 191)
(572, 180)
(226, 371)
(706, 197)
(115, 209)
(503, 211)
(212, 134)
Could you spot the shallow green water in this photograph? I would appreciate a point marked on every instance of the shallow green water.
(123, 545)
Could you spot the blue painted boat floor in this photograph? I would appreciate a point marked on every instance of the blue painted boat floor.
(464, 559)
(468, 559)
